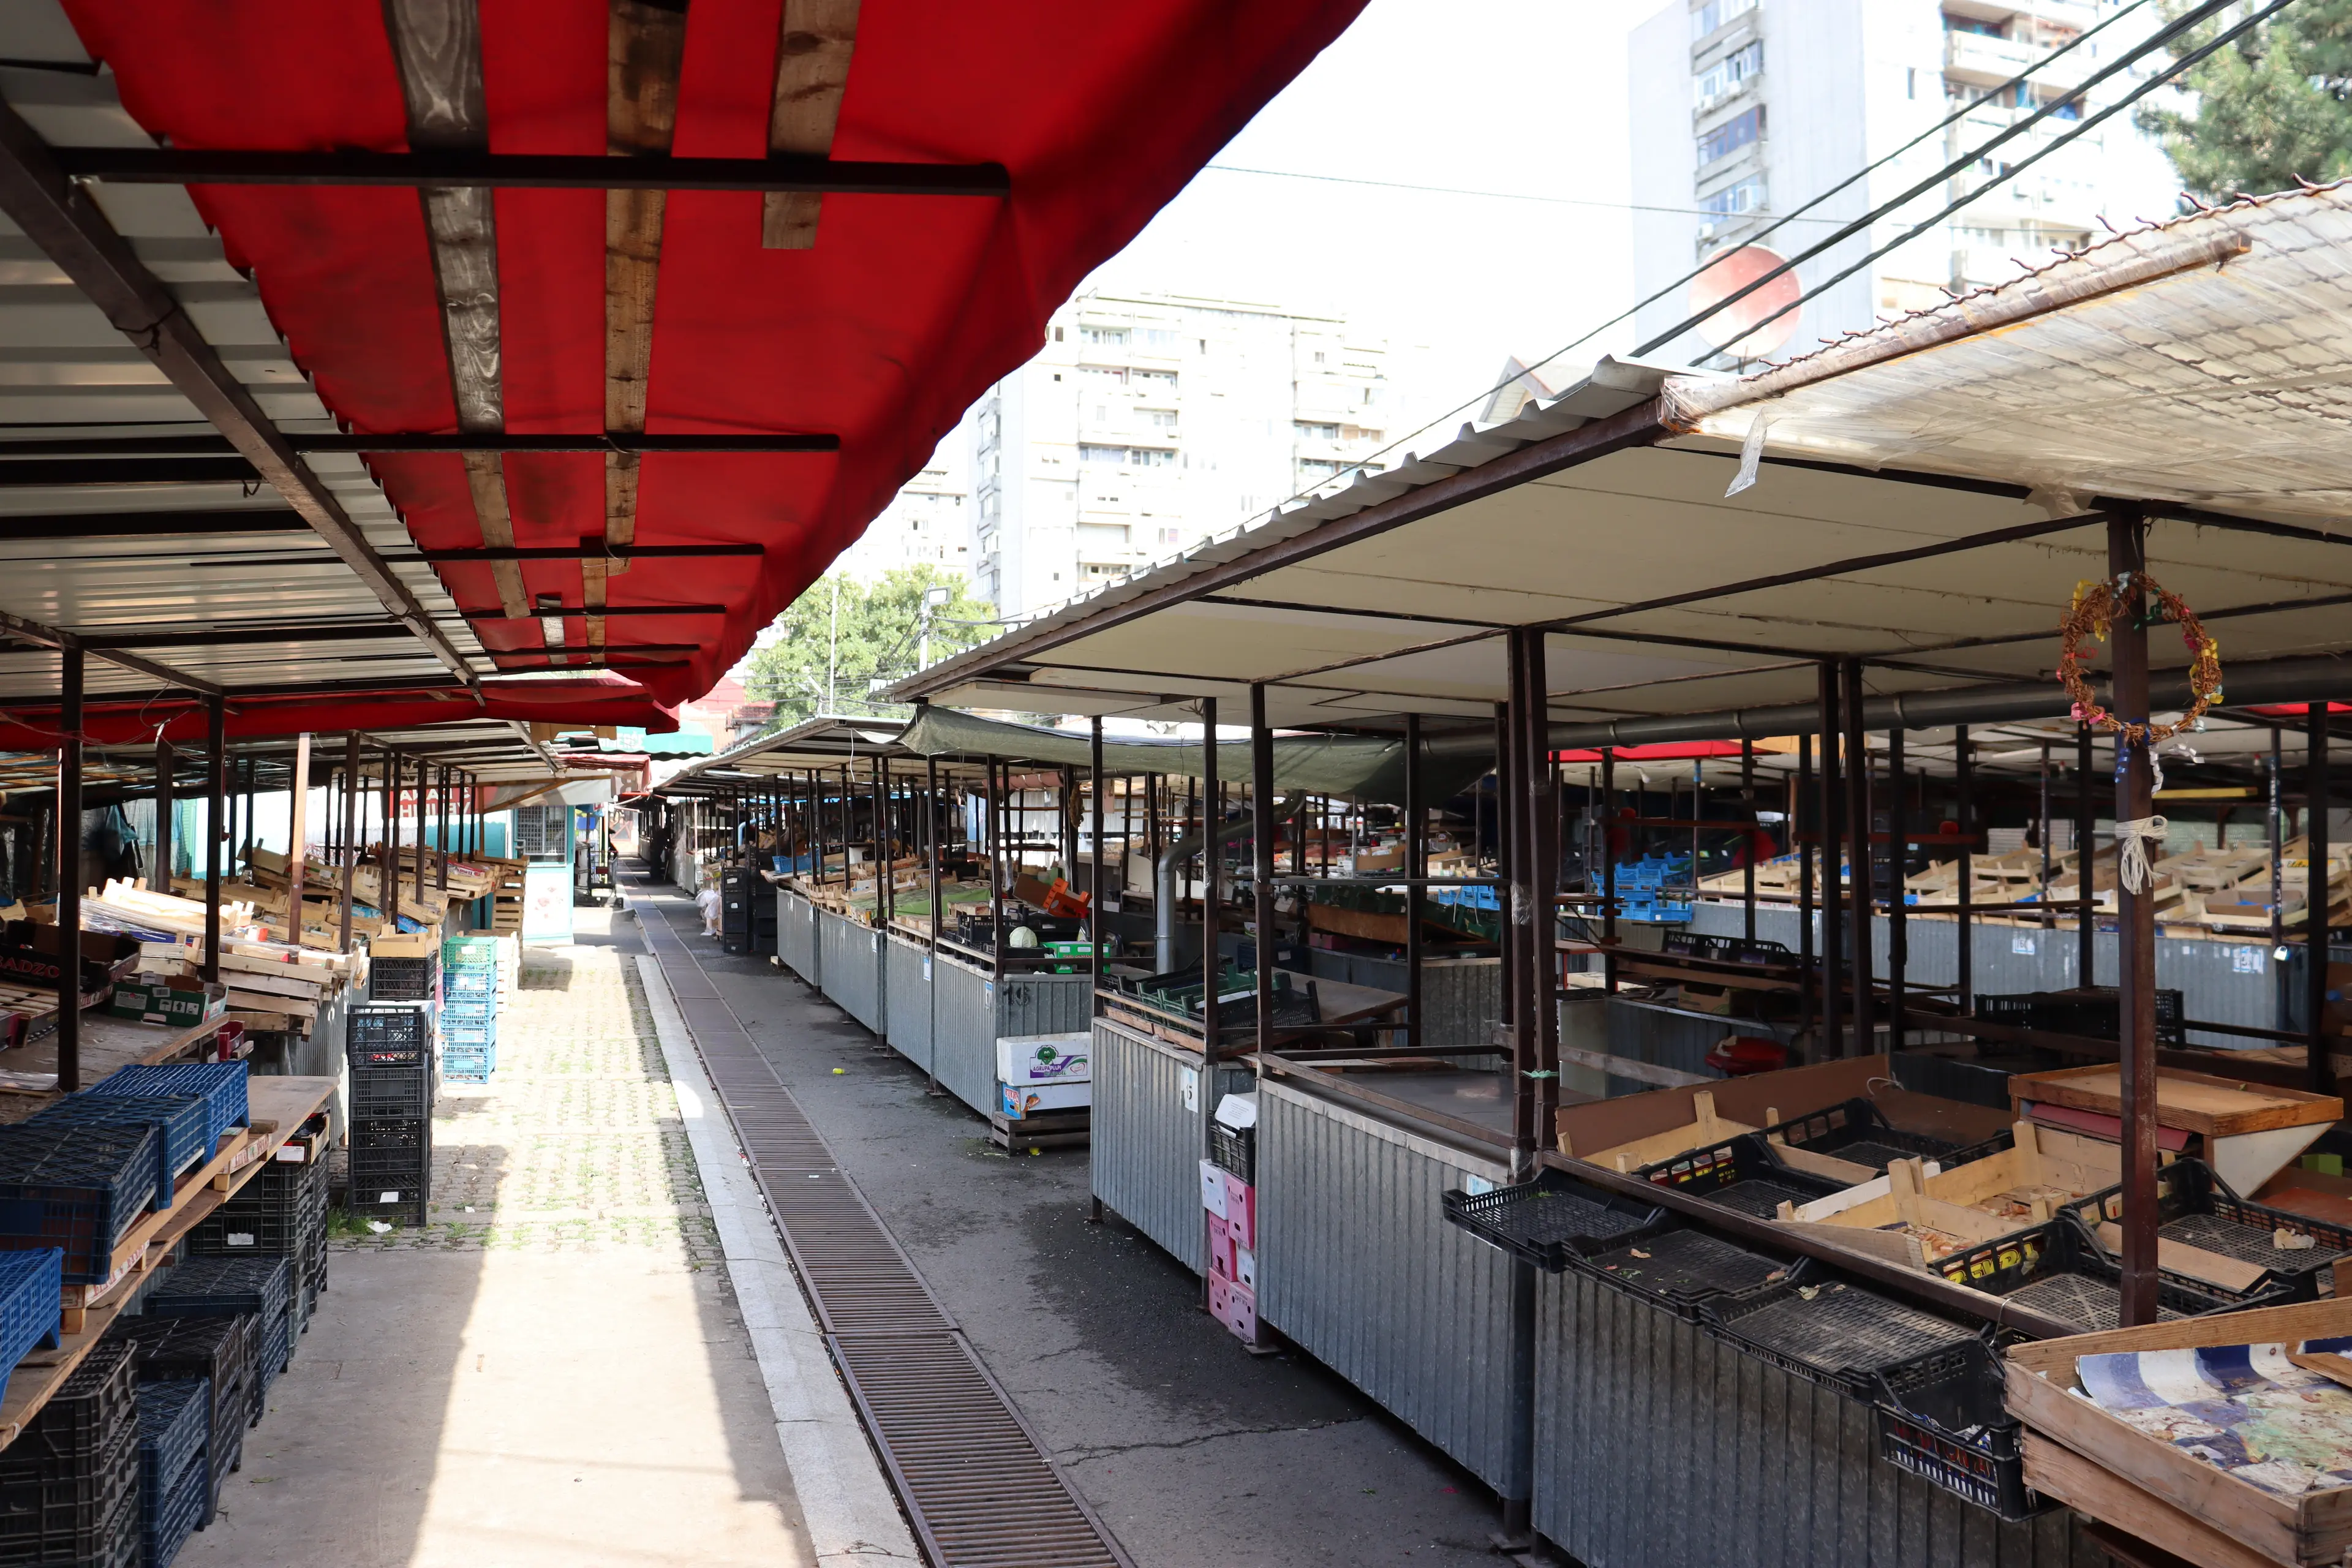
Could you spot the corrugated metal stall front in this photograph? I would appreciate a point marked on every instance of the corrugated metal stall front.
(1045, 1004)
(1357, 1263)
(907, 977)
(1657, 1447)
(796, 934)
(851, 955)
(963, 1032)
(1146, 1140)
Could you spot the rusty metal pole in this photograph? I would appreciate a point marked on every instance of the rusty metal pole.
(350, 830)
(215, 827)
(1808, 987)
(1964, 776)
(1898, 862)
(2135, 925)
(1416, 871)
(158, 878)
(1609, 869)
(1262, 859)
(298, 833)
(1211, 852)
(2086, 844)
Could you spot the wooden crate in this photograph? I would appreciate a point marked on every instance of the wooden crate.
(2098, 1463)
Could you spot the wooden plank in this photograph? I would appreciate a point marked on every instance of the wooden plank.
(2179, 1257)
(813, 47)
(2057, 1471)
(2194, 1102)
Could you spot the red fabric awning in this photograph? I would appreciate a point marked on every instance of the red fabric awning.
(608, 701)
(1665, 752)
(905, 310)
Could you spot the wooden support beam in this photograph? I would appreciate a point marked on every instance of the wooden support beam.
(437, 45)
(813, 51)
(646, 50)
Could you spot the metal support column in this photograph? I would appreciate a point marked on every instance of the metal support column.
(1095, 859)
(441, 802)
(1535, 853)
(1261, 857)
(1830, 842)
(158, 878)
(298, 835)
(68, 837)
(996, 866)
(2278, 882)
(1212, 856)
(1964, 785)
(2135, 926)
(1861, 869)
(350, 830)
(1898, 862)
(1416, 868)
(215, 826)
(1747, 854)
(1609, 869)
(1808, 988)
(2316, 900)
(2086, 843)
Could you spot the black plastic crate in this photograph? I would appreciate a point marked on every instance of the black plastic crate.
(1813, 1324)
(1858, 1133)
(1739, 1174)
(2196, 1207)
(2092, 1012)
(75, 1188)
(1941, 1417)
(1549, 1218)
(378, 1034)
(404, 979)
(66, 1481)
(1679, 1269)
(1234, 1150)
(282, 1210)
(379, 1094)
(2056, 1269)
(221, 1350)
(380, 1135)
(224, 1286)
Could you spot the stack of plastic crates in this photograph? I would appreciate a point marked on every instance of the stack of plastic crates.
(174, 1480)
(69, 1484)
(1641, 888)
(281, 1213)
(469, 1008)
(218, 1352)
(78, 1189)
(391, 1111)
(262, 1287)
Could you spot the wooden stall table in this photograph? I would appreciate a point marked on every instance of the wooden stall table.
(29, 1074)
(2250, 1130)
(276, 1107)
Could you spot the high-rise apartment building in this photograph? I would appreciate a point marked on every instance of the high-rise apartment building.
(927, 522)
(1149, 421)
(1744, 110)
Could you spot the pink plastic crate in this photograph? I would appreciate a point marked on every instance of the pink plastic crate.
(1220, 1249)
(1241, 1210)
(1235, 1306)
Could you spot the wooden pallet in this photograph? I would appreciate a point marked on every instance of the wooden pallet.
(1047, 1130)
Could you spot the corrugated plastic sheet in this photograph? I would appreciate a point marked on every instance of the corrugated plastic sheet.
(1657, 1447)
(1357, 1263)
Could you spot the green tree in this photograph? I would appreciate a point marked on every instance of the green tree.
(843, 636)
(2272, 108)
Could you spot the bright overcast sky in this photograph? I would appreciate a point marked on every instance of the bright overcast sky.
(1517, 99)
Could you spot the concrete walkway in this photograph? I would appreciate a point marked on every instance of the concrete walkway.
(556, 1371)
(1195, 1454)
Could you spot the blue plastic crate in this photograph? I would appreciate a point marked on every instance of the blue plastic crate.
(181, 1122)
(221, 1083)
(29, 1312)
(174, 1420)
(468, 1032)
(184, 1509)
(75, 1188)
(468, 1010)
(469, 980)
(470, 951)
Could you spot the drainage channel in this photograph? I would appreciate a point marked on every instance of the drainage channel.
(975, 1480)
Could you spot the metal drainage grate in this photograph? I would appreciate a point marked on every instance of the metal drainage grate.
(976, 1484)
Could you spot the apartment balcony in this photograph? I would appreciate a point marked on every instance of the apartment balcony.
(1981, 61)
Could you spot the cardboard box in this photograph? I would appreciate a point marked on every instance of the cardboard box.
(1043, 1058)
(1213, 1189)
(170, 999)
(1030, 1099)
(1241, 1209)
(28, 956)
(1221, 1249)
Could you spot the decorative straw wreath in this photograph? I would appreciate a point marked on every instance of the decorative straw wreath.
(2093, 612)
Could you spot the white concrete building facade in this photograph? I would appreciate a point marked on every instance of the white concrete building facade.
(1744, 110)
(1148, 421)
(927, 522)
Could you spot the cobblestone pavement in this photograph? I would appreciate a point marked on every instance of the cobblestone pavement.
(575, 1144)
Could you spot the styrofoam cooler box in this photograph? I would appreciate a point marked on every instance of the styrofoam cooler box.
(1020, 1099)
(1221, 1249)
(1043, 1058)
(1236, 1306)
(1245, 1268)
(1213, 1189)
(1241, 1209)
